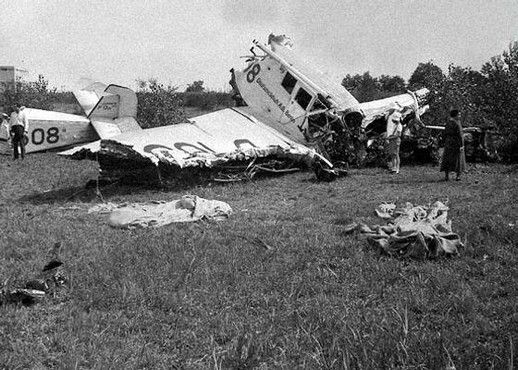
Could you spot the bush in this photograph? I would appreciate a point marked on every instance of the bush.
(158, 105)
(31, 94)
(207, 100)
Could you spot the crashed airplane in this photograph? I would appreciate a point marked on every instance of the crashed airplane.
(291, 116)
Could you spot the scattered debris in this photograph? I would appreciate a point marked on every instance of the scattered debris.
(385, 210)
(324, 173)
(412, 231)
(48, 283)
(159, 213)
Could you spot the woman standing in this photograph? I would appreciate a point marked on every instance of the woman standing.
(453, 158)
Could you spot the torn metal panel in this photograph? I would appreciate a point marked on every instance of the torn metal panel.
(89, 150)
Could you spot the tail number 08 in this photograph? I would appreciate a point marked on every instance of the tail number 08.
(39, 136)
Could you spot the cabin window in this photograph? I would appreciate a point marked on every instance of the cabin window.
(289, 82)
(303, 98)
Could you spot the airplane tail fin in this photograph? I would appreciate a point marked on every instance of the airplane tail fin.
(112, 101)
(112, 109)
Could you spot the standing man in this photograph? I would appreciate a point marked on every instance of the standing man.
(453, 158)
(18, 127)
(393, 140)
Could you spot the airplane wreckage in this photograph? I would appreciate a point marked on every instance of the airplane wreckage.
(290, 115)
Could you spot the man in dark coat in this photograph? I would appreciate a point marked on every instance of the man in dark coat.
(453, 159)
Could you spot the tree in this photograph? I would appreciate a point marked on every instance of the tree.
(366, 88)
(362, 87)
(426, 75)
(461, 90)
(196, 87)
(392, 84)
(352, 82)
(499, 98)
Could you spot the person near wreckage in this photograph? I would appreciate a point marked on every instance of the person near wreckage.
(393, 139)
(453, 158)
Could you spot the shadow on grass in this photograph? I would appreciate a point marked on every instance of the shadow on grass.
(106, 190)
(64, 195)
(87, 193)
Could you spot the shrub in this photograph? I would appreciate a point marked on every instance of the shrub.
(208, 100)
(31, 94)
(158, 104)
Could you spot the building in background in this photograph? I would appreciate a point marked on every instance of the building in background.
(9, 75)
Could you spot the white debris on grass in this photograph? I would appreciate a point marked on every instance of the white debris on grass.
(159, 213)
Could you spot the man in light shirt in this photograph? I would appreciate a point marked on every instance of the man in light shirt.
(393, 139)
(18, 127)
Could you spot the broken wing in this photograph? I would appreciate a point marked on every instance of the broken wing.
(206, 141)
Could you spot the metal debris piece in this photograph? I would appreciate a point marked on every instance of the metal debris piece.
(48, 282)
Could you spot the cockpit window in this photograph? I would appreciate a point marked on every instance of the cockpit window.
(289, 82)
(303, 98)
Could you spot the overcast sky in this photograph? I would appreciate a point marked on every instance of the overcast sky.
(177, 42)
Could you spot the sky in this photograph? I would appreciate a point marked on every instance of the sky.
(178, 42)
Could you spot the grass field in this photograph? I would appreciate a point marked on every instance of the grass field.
(211, 295)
